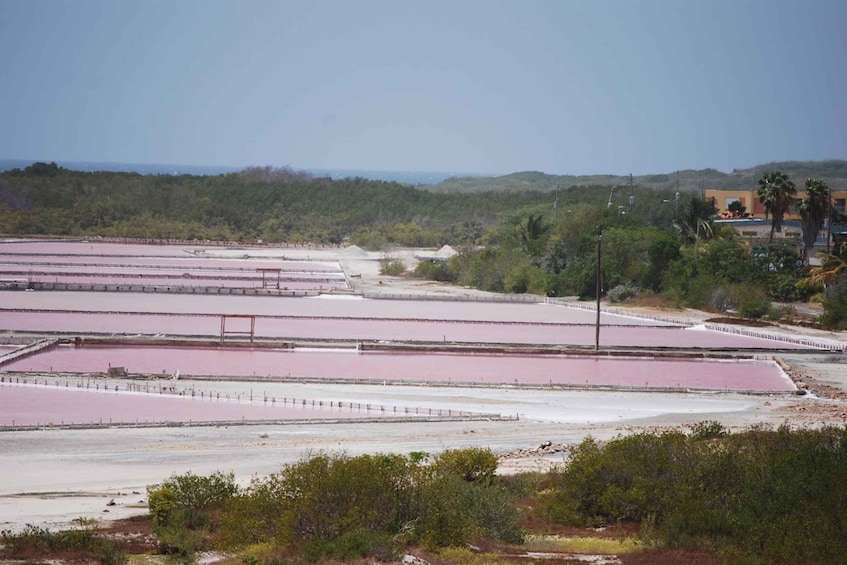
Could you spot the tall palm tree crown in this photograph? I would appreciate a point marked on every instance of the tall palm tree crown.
(776, 192)
(813, 210)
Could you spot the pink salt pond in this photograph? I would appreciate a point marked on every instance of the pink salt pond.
(22, 405)
(488, 370)
(305, 327)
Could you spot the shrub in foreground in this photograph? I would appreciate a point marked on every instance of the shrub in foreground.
(84, 544)
(331, 506)
(762, 495)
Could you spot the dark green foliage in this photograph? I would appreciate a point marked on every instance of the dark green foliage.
(694, 219)
(86, 543)
(737, 209)
(776, 192)
(391, 266)
(183, 508)
(357, 544)
(763, 496)
(339, 507)
(708, 429)
(455, 511)
(661, 253)
(752, 301)
(272, 205)
(486, 268)
(435, 271)
(533, 235)
(473, 464)
(813, 210)
(835, 304)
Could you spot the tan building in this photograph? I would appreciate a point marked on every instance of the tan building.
(749, 199)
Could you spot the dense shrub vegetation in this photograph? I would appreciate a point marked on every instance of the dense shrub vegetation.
(759, 496)
(335, 506)
(269, 204)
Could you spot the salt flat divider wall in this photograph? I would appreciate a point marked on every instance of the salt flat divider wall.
(28, 350)
(158, 289)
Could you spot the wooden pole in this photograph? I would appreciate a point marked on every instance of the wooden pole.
(599, 289)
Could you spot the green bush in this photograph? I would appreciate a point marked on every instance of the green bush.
(182, 509)
(85, 543)
(761, 496)
(323, 498)
(709, 429)
(752, 301)
(434, 271)
(835, 305)
(471, 464)
(622, 292)
(357, 544)
(331, 506)
(391, 266)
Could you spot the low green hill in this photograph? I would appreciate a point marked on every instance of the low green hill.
(833, 172)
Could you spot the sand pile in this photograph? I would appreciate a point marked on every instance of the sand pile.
(354, 251)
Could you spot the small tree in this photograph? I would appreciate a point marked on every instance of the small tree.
(737, 210)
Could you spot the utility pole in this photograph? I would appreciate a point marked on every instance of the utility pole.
(556, 203)
(828, 215)
(631, 195)
(599, 290)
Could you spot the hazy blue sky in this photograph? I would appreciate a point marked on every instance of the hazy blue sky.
(566, 87)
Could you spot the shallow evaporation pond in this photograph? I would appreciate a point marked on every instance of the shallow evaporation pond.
(278, 321)
(492, 370)
(99, 404)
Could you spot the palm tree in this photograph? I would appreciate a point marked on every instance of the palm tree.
(832, 265)
(532, 235)
(776, 192)
(694, 219)
(813, 210)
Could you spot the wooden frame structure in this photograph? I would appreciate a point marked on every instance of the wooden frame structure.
(251, 333)
(269, 283)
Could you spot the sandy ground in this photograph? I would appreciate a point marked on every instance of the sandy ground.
(50, 477)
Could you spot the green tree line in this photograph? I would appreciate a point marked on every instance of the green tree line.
(274, 205)
(666, 245)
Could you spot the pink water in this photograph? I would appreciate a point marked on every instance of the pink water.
(24, 406)
(440, 368)
(82, 248)
(187, 282)
(172, 262)
(11, 270)
(357, 329)
(348, 307)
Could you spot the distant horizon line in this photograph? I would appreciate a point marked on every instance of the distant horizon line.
(413, 176)
(397, 175)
